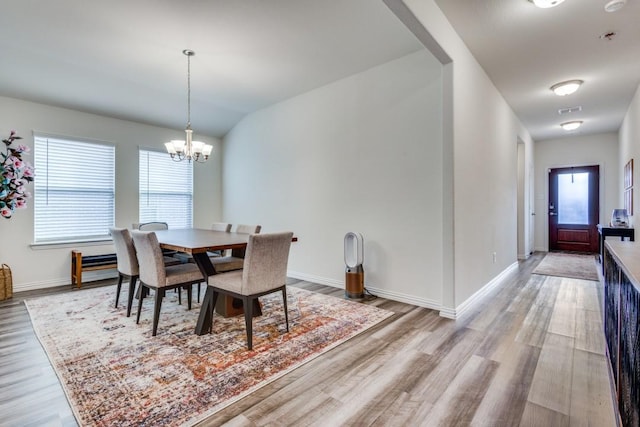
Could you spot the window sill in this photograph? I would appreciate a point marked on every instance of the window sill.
(71, 243)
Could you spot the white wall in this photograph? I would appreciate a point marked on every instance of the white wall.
(577, 150)
(629, 142)
(362, 154)
(485, 136)
(40, 268)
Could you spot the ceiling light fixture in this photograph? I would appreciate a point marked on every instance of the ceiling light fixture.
(569, 126)
(545, 4)
(614, 5)
(566, 88)
(188, 149)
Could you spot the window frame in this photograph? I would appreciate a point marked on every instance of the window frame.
(162, 156)
(99, 188)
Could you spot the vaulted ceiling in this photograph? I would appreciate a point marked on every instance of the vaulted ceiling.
(124, 58)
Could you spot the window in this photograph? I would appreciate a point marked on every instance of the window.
(166, 189)
(573, 198)
(74, 189)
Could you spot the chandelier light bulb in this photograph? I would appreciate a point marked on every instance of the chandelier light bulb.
(566, 88)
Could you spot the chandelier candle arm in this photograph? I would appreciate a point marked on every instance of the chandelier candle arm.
(188, 149)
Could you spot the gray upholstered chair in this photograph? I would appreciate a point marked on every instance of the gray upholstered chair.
(154, 274)
(127, 262)
(235, 261)
(264, 272)
(221, 226)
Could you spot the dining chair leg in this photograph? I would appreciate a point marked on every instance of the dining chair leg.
(248, 320)
(140, 298)
(199, 291)
(120, 277)
(286, 312)
(179, 291)
(132, 288)
(156, 310)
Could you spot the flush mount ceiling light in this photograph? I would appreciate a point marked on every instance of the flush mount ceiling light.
(614, 5)
(568, 126)
(566, 88)
(545, 4)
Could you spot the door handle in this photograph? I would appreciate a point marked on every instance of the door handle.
(552, 214)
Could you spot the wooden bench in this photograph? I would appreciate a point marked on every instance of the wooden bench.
(81, 263)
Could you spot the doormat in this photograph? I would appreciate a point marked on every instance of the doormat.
(562, 264)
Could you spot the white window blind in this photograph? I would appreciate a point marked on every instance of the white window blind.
(166, 189)
(74, 190)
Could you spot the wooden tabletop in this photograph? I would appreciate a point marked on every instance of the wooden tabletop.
(198, 240)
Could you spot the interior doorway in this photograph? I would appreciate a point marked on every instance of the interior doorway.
(574, 208)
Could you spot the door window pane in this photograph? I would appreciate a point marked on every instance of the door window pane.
(573, 198)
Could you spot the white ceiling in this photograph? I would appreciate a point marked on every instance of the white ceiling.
(525, 50)
(123, 58)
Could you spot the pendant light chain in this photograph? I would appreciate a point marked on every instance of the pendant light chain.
(189, 54)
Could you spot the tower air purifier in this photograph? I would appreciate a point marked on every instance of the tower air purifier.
(353, 258)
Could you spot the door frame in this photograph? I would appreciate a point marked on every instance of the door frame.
(599, 195)
(545, 202)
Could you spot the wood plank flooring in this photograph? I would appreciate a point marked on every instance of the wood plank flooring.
(531, 354)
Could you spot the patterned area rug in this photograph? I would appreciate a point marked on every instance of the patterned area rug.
(116, 374)
(568, 265)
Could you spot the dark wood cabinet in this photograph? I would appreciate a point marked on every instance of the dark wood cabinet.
(622, 325)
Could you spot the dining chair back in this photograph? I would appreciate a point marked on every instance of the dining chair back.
(235, 261)
(264, 272)
(221, 226)
(153, 226)
(154, 274)
(248, 229)
(127, 262)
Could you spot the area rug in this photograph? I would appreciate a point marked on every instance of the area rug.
(568, 265)
(116, 374)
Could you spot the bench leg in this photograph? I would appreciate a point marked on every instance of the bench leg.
(76, 269)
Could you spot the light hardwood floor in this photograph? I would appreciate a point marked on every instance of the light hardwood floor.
(530, 354)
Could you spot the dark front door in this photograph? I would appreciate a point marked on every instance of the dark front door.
(573, 208)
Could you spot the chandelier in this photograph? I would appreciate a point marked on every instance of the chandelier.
(188, 149)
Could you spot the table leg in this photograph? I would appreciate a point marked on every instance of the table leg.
(205, 318)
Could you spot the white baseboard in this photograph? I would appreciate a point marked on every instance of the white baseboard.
(409, 299)
(43, 284)
(450, 313)
(315, 279)
(394, 296)
(454, 313)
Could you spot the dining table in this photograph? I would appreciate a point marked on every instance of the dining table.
(197, 242)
